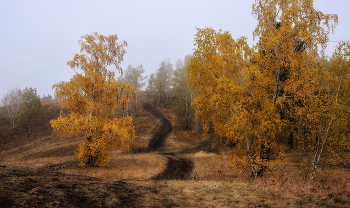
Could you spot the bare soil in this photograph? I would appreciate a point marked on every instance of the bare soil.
(177, 168)
(163, 131)
(30, 188)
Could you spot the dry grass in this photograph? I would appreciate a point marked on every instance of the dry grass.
(271, 191)
(43, 151)
(243, 192)
(124, 167)
(190, 194)
(173, 144)
(40, 162)
(295, 188)
(210, 166)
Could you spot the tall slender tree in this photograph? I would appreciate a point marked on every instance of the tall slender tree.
(159, 83)
(12, 102)
(182, 94)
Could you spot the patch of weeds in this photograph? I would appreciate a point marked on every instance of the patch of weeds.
(185, 150)
(341, 200)
(194, 176)
(136, 150)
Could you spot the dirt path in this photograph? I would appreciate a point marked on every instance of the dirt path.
(177, 168)
(158, 139)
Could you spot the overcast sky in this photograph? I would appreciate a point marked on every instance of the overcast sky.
(37, 38)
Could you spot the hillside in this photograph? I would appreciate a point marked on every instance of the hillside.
(41, 171)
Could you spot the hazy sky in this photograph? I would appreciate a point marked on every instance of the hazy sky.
(37, 38)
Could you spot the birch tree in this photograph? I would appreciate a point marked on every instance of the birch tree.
(12, 101)
(91, 99)
(254, 95)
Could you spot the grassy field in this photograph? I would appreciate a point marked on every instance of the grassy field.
(127, 181)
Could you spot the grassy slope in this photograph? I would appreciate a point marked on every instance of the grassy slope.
(213, 182)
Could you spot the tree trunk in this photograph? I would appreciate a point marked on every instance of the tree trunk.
(258, 170)
(251, 161)
(319, 146)
(291, 140)
(91, 160)
(28, 129)
(265, 153)
(197, 130)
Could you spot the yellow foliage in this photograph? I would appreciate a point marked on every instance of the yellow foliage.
(91, 99)
(253, 95)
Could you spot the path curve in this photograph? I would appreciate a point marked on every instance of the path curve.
(177, 168)
(164, 130)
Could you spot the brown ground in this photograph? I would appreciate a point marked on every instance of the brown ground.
(30, 188)
(41, 171)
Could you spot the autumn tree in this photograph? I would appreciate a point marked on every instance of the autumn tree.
(238, 112)
(12, 101)
(91, 99)
(255, 95)
(290, 37)
(30, 110)
(339, 72)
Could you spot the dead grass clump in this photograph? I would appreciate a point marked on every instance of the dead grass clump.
(202, 154)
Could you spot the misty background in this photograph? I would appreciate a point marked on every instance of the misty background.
(37, 38)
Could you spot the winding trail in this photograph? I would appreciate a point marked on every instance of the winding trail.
(162, 133)
(177, 168)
